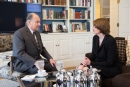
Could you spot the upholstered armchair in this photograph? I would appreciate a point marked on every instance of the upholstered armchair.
(123, 79)
(5, 46)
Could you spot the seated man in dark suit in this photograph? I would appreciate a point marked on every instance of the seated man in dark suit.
(27, 47)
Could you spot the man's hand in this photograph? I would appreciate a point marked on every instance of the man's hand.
(53, 62)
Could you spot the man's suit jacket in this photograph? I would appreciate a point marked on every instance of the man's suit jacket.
(25, 49)
(105, 55)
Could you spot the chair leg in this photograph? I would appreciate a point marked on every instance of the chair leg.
(11, 64)
(20, 82)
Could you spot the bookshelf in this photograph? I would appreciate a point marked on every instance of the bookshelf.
(62, 15)
(68, 12)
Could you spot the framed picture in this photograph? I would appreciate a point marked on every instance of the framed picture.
(57, 27)
(65, 28)
(77, 25)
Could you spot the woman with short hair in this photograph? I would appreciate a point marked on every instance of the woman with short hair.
(104, 51)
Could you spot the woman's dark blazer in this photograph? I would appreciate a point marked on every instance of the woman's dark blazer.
(106, 54)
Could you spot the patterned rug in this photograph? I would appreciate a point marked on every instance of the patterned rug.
(8, 83)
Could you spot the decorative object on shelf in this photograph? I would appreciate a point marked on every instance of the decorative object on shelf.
(78, 27)
(47, 28)
(58, 27)
(65, 28)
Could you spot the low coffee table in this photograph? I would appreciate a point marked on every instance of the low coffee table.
(50, 80)
(39, 81)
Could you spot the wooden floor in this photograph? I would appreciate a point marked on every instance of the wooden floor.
(70, 68)
(1, 78)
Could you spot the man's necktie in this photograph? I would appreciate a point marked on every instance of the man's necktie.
(38, 46)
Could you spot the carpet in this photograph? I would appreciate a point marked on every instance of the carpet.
(8, 83)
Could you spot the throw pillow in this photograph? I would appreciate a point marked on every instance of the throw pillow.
(121, 47)
(5, 73)
(5, 42)
(128, 50)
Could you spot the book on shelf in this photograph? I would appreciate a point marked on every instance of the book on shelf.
(83, 14)
(54, 2)
(70, 27)
(51, 14)
(80, 3)
(89, 3)
(88, 26)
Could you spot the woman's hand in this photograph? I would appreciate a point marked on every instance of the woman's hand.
(86, 61)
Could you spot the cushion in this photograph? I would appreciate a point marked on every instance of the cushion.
(128, 50)
(6, 42)
(121, 47)
(125, 69)
(107, 82)
(121, 80)
(5, 73)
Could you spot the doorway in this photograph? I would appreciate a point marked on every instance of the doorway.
(102, 9)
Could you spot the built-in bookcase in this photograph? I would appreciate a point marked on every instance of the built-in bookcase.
(67, 16)
(63, 16)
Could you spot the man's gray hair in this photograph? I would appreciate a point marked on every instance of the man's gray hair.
(29, 17)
